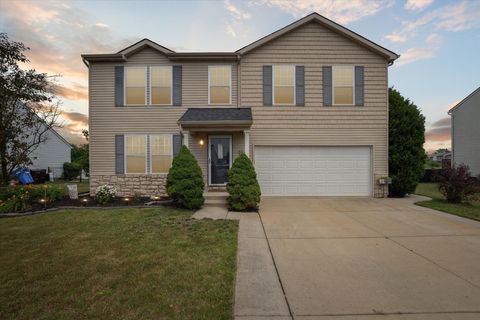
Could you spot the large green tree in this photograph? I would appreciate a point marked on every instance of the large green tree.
(406, 139)
(28, 108)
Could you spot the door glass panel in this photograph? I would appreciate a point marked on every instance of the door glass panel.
(219, 160)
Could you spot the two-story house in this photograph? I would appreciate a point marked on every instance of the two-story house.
(307, 103)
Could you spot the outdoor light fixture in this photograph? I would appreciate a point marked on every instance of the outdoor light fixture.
(156, 198)
(201, 142)
(127, 200)
(44, 202)
(85, 200)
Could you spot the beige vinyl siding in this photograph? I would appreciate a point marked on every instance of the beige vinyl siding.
(315, 46)
(106, 120)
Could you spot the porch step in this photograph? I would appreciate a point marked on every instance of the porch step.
(215, 199)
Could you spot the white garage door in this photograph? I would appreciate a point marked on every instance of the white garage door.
(314, 171)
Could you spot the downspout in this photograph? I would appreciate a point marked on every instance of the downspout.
(239, 78)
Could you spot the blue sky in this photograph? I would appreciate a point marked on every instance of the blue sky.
(438, 40)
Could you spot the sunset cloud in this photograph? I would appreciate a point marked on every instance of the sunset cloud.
(343, 12)
(72, 125)
(73, 92)
(438, 135)
(432, 45)
(453, 18)
(417, 4)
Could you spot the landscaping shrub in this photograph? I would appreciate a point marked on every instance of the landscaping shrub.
(71, 170)
(185, 180)
(406, 138)
(105, 194)
(20, 198)
(242, 186)
(457, 185)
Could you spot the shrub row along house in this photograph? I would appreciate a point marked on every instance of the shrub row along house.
(307, 103)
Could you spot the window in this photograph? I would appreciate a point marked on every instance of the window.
(343, 85)
(135, 85)
(161, 153)
(161, 85)
(284, 84)
(135, 154)
(219, 82)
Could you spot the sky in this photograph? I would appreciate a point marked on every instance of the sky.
(438, 41)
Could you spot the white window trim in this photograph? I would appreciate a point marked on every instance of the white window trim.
(294, 85)
(125, 86)
(125, 153)
(333, 86)
(171, 151)
(150, 86)
(230, 85)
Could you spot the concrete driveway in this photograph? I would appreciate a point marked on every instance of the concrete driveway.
(362, 258)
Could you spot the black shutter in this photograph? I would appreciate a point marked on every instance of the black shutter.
(267, 85)
(300, 85)
(359, 87)
(177, 144)
(327, 85)
(119, 86)
(119, 154)
(177, 85)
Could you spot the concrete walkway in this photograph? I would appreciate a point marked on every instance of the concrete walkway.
(362, 258)
(258, 292)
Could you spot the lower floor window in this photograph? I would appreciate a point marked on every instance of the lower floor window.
(135, 154)
(161, 153)
(160, 147)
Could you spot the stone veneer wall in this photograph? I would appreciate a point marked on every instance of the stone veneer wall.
(127, 185)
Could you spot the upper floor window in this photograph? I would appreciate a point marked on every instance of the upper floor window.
(343, 84)
(161, 85)
(284, 84)
(161, 153)
(219, 84)
(135, 154)
(135, 85)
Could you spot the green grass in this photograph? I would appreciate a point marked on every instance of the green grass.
(117, 264)
(438, 202)
(81, 186)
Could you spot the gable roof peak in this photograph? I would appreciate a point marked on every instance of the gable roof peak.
(458, 105)
(316, 17)
(145, 42)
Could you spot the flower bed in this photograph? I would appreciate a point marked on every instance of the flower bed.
(38, 198)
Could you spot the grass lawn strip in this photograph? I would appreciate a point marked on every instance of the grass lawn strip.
(117, 264)
(438, 202)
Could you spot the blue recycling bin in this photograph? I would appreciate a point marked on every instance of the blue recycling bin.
(23, 175)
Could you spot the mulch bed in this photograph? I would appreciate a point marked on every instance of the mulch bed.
(88, 202)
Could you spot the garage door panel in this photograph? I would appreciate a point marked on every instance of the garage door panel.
(322, 171)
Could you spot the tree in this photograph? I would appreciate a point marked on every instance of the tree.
(28, 108)
(81, 154)
(406, 139)
(185, 180)
(243, 187)
(457, 184)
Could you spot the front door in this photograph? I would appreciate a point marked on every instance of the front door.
(220, 159)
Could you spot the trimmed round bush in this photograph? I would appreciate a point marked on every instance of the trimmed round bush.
(242, 186)
(185, 180)
(71, 170)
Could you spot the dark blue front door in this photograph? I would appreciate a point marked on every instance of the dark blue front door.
(219, 159)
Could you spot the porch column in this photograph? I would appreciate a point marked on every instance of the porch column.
(246, 137)
(186, 136)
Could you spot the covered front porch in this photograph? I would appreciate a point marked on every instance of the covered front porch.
(216, 136)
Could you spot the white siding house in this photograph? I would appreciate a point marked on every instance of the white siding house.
(466, 132)
(52, 154)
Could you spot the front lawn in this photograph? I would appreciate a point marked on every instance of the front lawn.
(438, 202)
(117, 264)
(81, 186)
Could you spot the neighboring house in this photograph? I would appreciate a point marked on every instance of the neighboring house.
(466, 132)
(307, 103)
(438, 156)
(51, 154)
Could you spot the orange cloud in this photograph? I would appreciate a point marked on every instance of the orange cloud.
(438, 135)
(74, 92)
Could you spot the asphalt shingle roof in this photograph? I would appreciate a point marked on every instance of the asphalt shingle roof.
(216, 114)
